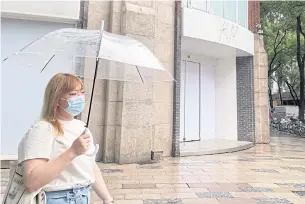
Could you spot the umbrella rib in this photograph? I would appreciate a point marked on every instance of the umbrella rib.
(24, 47)
(47, 63)
(140, 74)
(4, 60)
(31, 43)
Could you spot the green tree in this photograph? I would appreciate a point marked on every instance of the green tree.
(283, 23)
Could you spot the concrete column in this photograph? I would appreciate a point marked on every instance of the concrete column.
(147, 108)
(113, 97)
(262, 134)
(132, 119)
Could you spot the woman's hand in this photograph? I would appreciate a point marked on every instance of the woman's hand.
(81, 145)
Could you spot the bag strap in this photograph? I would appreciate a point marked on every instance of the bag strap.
(15, 169)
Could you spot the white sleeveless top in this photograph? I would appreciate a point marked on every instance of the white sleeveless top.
(40, 142)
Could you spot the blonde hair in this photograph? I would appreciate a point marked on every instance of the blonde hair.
(59, 84)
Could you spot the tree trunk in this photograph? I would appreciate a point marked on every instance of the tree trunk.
(280, 92)
(292, 93)
(301, 67)
(296, 95)
(270, 97)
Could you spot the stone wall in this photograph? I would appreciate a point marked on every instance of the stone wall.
(260, 76)
(245, 99)
(261, 92)
(129, 120)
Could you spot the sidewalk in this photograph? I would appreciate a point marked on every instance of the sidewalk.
(265, 174)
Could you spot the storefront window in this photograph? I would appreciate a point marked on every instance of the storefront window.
(242, 13)
(199, 4)
(216, 7)
(230, 10)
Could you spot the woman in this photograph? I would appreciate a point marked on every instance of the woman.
(53, 150)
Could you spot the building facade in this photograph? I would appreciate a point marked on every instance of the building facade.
(218, 60)
(22, 22)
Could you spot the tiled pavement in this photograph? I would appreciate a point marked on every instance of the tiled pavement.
(265, 174)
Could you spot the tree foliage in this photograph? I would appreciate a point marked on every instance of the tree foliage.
(283, 24)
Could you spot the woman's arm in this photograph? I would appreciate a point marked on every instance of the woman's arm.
(40, 172)
(100, 187)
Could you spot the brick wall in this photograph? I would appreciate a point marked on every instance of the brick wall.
(245, 99)
(253, 15)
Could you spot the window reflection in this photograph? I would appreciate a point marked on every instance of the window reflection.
(230, 10)
(199, 4)
(233, 10)
(242, 13)
(216, 7)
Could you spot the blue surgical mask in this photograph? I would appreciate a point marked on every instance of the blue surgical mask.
(76, 105)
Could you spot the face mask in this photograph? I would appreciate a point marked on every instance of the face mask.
(76, 105)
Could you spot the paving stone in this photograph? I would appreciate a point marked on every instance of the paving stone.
(143, 196)
(149, 166)
(298, 151)
(139, 186)
(265, 170)
(291, 185)
(112, 171)
(224, 189)
(236, 201)
(138, 183)
(125, 202)
(200, 201)
(214, 195)
(246, 160)
(176, 201)
(255, 189)
(181, 164)
(300, 193)
(297, 158)
(203, 185)
(272, 201)
(234, 184)
(301, 169)
(247, 195)
(268, 159)
(216, 162)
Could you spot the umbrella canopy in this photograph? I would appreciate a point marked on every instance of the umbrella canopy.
(93, 54)
(75, 51)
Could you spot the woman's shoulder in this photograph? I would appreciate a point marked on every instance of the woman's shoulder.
(42, 124)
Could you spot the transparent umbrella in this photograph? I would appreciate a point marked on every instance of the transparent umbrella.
(93, 54)
(114, 57)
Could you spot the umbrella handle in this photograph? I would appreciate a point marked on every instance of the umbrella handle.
(93, 149)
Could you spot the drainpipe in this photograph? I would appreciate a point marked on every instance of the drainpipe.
(83, 15)
(177, 71)
(82, 24)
